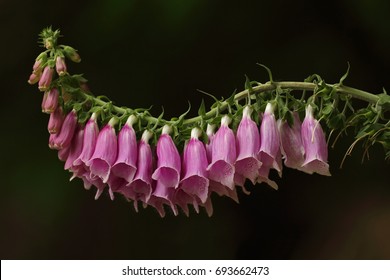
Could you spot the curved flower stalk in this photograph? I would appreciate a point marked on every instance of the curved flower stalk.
(98, 140)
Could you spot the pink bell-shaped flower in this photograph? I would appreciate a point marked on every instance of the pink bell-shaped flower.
(269, 140)
(248, 145)
(223, 155)
(291, 143)
(75, 148)
(167, 174)
(269, 153)
(168, 169)
(314, 143)
(124, 168)
(141, 186)
(64, 137)
(105, 152)
(194, 165)
(91, 132)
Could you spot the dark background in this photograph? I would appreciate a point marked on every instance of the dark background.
(141, 53)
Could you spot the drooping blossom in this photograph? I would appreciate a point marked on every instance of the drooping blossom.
(34, 78)
(105, 152)
(91, 132)
(314, 143)
(50, 101)
(248, 145)
(291, 143)
(223, 155)
(64, 137)
(55, 121)
(168, 161)
(194, 165)
(75, 149)
(60, 66)
(167, 174)
(269, 152)
(140, 187)
(46, 78)
(125, 166)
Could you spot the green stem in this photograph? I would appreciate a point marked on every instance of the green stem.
(341, 89)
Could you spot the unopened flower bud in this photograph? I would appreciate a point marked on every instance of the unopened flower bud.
(55, 121)
(45, 80)
(60, 66)
(39, 61)
(34, 78)
(72, 54)
(50, 101)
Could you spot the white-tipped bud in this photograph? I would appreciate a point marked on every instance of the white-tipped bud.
(210, 131)
(167, 129)
(247, 112)
(226, 120)
(131, 120)
(196, 132)
(146, 135)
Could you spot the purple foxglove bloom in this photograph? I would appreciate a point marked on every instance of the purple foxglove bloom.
(91, 133)
(64, 137)
(223, 156)
(55, 121)
(269, 153)
(248, 145)
(60, 66)
(34, 78)
(50, 101)
(125, 164)
(168, 169)
(75, 148)
(105, 152)
(314, 143)
(45, 79)
(195, 180)
(141, 186)
(291, 143)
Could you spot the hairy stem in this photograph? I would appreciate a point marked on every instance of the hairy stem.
(355, 93)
